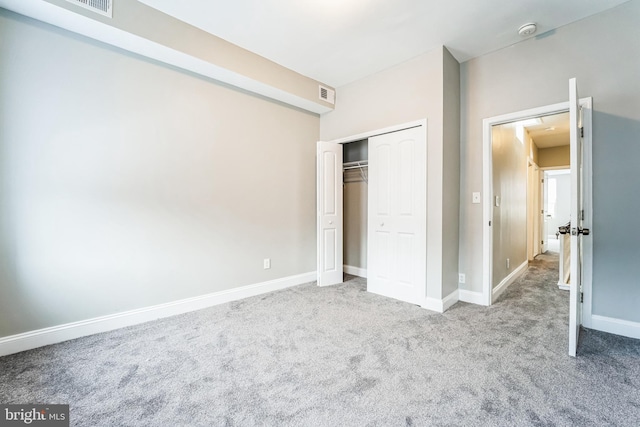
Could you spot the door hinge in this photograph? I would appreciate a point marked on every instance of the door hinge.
(582, 214)
(542, 242)
(582, 132)
(581, 296)
(542, 211)
(542, 180)
(489, 223)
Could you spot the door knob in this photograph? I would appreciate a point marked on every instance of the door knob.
(580, 230)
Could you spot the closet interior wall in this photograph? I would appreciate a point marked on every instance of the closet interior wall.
(355, 208)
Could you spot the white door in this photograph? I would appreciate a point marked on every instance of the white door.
(329, 205)
(545, 213)
(575, 287)
(397, 215)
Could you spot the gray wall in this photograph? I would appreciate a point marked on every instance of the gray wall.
(412, 91)
(603, 53)
(125, 183)
(165, 30)
(450, 172)
(510, 218)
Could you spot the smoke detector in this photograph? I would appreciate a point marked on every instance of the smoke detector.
(527, 29)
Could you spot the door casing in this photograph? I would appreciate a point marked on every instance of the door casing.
(487, 215)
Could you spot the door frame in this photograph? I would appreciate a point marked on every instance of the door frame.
(358, 137)
(487, 208)
(544, 171)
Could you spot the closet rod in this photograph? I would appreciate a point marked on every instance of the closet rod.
(355, 165)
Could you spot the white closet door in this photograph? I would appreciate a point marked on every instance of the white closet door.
(330, 215)
(397, 215)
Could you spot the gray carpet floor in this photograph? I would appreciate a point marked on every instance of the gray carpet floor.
(339, 356)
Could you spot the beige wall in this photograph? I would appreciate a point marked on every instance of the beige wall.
(554, 157)
(125, 183)
(412, 91)
(509, 227)
(533, 152)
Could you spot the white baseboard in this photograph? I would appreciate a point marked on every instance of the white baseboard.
(563, 286)
(615, 326)
(471, 297)
(356, 271)
(441, 305)
(41, 337)
(507, 281)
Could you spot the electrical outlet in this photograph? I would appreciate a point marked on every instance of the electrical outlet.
(461, 278)
(267, 263)
(475, 198)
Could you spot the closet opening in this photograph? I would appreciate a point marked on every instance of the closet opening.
(371, 200)
(355, 179)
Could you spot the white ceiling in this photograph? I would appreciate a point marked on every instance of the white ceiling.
(340, 41)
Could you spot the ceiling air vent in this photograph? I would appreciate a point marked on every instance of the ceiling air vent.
(327, 94)
(103, 7)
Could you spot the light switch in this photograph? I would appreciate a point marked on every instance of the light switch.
(475, 197)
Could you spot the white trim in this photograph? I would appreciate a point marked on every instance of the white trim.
(563, 286)
(487, 212)
(471, 297)
(615, 326)
(41, 337)
(487, 185)
(556, 168)
(372, 133)
(507, 281)
(356, 271)
(450, 299)
(441, 305)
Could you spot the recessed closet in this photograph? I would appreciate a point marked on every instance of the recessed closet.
(372, 211)
(355, 156)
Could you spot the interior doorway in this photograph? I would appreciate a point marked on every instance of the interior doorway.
(514, 185)
(580, 111)
(556, 196)
(524, 152)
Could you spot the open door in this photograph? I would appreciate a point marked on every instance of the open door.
(329, 221)
(544, 213)
(576, 212)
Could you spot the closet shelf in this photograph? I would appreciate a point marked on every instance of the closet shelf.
(355, 165)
